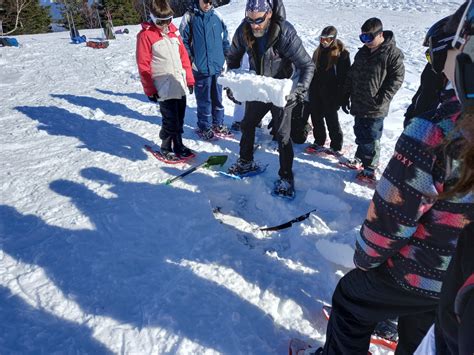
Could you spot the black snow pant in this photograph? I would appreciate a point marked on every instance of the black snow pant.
(281, 126)
(172, 113)
(364, 298)
(320, 114)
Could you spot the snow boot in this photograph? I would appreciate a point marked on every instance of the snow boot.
(354, 163)
(243, 167)
(207, 134)
(221, 131)
(284, 188)
(367, 175)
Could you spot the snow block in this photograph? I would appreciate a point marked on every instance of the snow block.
(247, 86)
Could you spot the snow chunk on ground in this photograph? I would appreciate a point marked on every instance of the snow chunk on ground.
(251, 87)
(337, 253)
(326, 202)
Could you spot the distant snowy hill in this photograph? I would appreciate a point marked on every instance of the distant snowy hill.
(98, 256)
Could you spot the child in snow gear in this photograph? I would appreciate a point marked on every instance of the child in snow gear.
(408, 237)
(206, 40)
(166, 75)
(373, 79)
(274, 50)
(432, 83)
(332, 64)
(454, 325)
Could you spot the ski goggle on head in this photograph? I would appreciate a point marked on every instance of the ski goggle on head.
(161, 21)
(368, 37)
(464, 70)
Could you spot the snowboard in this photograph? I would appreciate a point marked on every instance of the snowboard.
(385, 333)
(157, 154)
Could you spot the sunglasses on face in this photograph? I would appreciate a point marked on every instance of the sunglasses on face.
(257, 21)
(207, 2)
(368, 37)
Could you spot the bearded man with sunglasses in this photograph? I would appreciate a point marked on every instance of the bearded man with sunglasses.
(373, 79)
(274, 50)
(205, 37)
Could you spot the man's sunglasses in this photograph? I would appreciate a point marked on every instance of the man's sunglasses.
(368, 37)
(257, 21)
(207, 2)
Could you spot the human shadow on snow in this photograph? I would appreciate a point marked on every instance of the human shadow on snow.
(133, 95)
(124, 267)
(108, 107)
(24, 329)
(97, 136)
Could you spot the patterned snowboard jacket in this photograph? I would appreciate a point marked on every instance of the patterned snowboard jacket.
(407, 229)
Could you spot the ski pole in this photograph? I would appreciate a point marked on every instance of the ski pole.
(211, 161)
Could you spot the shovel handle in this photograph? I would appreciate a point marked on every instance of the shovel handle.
(187, 172)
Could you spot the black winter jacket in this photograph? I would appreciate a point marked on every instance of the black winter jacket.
(327, 84)
(374, 78)
(457, 300)
(428, 95)
(284, 52)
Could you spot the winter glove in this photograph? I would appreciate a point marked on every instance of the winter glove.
(191, 89)
(297, 96)
(300, 93)
(231, 97)
(153, 98)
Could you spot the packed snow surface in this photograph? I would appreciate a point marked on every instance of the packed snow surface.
(251, 87)
(98, 256)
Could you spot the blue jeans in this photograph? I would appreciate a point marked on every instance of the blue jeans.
(368, 132)
(209, 101)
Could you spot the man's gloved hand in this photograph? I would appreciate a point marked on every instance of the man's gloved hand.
(300, 93)
(191, 89)
(231, 97)
(153, 98)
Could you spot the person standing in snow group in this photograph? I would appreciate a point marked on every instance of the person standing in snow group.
(454, 326)
(432, 83)
(206, 40)
(165, 73)
(276, 51)
(332, 63)
(373, 79)
(410, 234)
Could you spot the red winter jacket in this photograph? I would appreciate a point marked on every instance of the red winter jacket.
(163, 62)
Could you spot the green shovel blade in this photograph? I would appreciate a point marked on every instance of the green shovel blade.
(216, 160)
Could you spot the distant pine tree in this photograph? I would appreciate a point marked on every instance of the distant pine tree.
(33, 17)
(123, 12)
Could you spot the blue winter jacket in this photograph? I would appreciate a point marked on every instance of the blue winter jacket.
(206, 39)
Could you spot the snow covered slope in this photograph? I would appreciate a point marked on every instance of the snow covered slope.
(96, 256)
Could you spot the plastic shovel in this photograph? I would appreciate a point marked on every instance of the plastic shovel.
(213, 160)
